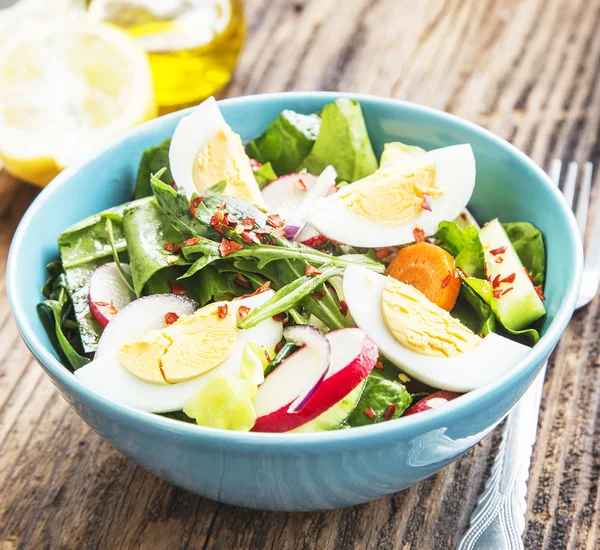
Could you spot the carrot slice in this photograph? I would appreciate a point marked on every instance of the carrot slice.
(429, 269)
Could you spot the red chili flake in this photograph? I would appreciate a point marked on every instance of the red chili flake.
(250, 237)
(243, 312)
(263, 230)
(384, 252)
(192, 241)
(499, 259)
(463, 215)
(227, 247)
(274, 220)
(267, 356)
(278, 346)
(255, 164)
(278, 233)
(538, 290)
(379, 365)
(262, 288)
(222, 311)
(529, 275)
(419, 234)
(370, 413)
(280, 317)
(221, 205)
(241, 280)
(230, 220)
(497, 293)
(318, 294)
(248, 223)
(461, 271)
(112, 310)
(509, 279)
(496, 281)
(193, 211)
(176, 288)
(343, 308)
(390, 411)
(309, 270)
(299, 182)
(196, 202)
(446, 280)
(481, 335)
(171, 317)
(426, 205)
(507, 290)
(169, 247)
(101, 304)
(499, 250)
(216, 221)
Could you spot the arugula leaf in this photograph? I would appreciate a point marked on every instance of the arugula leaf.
(287, 140)
(152, 161)
(381, 390)
(452, 238)
(528, 243)
(287, 297)
(264, 174)
(343, 141)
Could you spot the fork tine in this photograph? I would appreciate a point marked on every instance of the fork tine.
(555, 169)
(571, 180)
(583, 200)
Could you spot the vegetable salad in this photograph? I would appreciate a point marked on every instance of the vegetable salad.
(294, 283)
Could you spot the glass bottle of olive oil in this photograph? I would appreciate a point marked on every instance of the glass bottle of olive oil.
(193, 45)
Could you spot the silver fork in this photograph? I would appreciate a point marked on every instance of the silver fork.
(498, 521)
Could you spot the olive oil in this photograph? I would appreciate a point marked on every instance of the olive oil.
(193, 45)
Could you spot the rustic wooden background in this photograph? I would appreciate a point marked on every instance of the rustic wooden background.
(528, 70)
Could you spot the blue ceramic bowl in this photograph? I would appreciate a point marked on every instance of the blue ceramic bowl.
(301, 471)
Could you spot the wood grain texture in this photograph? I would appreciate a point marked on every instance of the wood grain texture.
(529, 71)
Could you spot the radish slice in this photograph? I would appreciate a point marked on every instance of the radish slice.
(353, 356)
(433, 401)
(140, 316)
(293, 382)
(293, 197)
(108, 292)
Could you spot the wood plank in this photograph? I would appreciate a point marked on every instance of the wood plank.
(528, 70)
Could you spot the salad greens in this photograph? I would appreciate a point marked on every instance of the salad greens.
(214, 248)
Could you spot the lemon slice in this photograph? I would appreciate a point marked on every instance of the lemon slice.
(67, 86)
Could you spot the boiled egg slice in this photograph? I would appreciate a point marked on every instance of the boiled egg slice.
(158, 371)
(422, 339)
(384, 208)
(205, 150)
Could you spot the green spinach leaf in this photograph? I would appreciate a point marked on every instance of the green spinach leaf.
(153, 160)
(528, 243)
(343, 142)
(287, 140)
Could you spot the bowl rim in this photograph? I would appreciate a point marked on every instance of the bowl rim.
(411, 425)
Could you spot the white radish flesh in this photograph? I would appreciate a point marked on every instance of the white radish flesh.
(108, 293)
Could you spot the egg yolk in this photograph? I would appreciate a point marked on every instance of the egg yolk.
(391, 196)
(190, 347)
(223, 158)
(420, 325)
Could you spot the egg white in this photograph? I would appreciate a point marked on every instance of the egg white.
(455, 175)
(108, 377)
(494, 356)
(190, 136)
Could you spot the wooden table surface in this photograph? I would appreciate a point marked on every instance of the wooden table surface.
(529, 71)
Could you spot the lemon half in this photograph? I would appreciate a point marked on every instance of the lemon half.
(67, 86)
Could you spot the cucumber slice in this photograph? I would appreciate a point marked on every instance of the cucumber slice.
(517, 302)
(333, 417)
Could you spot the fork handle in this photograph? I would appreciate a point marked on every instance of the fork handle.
(498, 521)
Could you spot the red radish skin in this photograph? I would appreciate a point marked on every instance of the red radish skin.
(108, 294)
(433, 401)
(353, 357)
